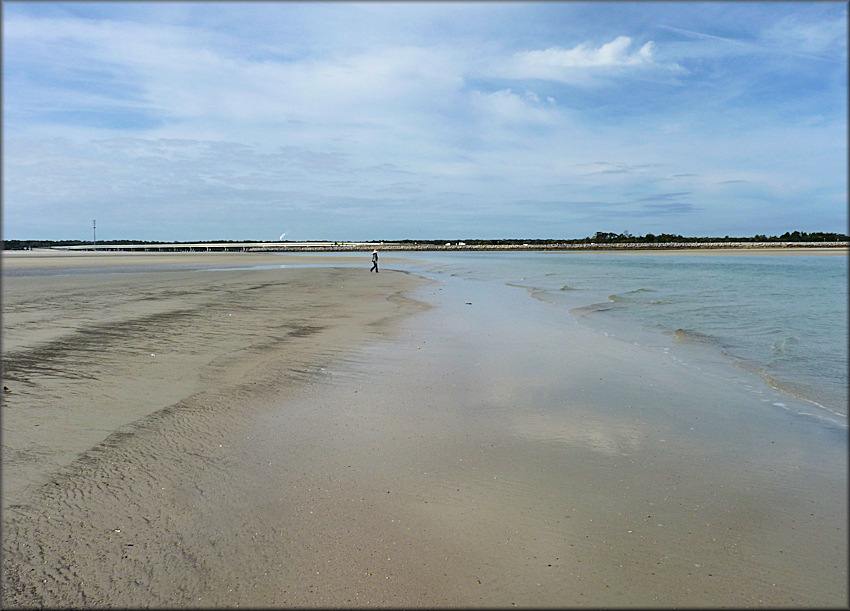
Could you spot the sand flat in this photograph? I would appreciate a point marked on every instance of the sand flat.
(84, 355)
(339, 444)
(67, 259)
(96, 364)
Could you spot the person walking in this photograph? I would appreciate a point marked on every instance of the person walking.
(374, 261)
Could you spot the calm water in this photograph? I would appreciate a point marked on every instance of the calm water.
(778, 317)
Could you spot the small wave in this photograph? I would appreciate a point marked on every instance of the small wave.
(628, 295)
(686, 336)
(637, 292)
(797, 391)
(589, 309)
(541, 294)
(533, 292)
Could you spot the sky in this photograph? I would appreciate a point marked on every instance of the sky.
(350, 121)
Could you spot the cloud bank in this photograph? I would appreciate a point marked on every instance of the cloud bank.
(359, 121)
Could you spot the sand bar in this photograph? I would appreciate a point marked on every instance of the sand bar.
(91, 359)
(340, 445)
(51, 260)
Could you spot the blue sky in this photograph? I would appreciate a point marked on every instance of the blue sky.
(357, 121)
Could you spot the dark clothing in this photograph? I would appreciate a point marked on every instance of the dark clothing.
(374, 263)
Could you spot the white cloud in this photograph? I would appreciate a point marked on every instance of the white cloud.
(556, 63)
(614, 53)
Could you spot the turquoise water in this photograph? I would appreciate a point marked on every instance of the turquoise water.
(780, 318)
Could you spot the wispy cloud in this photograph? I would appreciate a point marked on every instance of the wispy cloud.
(663, 197)
(823, 41)
(584, 63)
(506, 106)
(612, 54)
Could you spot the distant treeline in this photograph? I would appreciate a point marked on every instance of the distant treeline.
(664, 238)
(599, 237)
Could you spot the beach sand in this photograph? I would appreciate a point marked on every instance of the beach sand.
(322, 437)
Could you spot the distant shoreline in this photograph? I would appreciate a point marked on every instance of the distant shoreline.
(636, 246)
(833, 247)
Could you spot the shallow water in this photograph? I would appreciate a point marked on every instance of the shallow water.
(781, 319)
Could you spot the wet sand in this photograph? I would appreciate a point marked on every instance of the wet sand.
(315, 437)
(123, 391)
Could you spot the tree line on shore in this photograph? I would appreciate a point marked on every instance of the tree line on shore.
(599, 237)
(664, 238)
